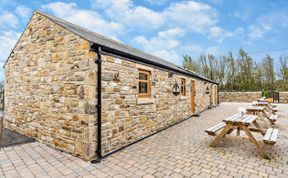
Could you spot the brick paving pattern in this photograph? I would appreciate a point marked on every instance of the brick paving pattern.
(181, 151)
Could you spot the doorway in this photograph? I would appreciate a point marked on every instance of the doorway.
(192, 99)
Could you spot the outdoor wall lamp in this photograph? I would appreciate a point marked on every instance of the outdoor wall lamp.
(207, 90)
(176, 89)
(116, 76)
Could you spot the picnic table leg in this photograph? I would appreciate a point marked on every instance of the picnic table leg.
(266, 116)
(258, 127)
(253, 140)
(221, 135)
(238, 131)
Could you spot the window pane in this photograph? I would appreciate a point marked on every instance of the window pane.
(143, 87)
(143, 76)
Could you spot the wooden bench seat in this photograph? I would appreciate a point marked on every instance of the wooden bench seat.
(216, 128)
(270, 136)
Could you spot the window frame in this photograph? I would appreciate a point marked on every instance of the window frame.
(148, 81)
(183, 85)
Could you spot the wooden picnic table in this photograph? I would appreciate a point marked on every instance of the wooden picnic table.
(268, 107)
(260, 111)
(249, 124)
(262, 100)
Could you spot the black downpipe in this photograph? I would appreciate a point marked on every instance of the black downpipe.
(218, 90)
(99, 107)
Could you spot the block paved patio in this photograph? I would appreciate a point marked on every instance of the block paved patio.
(180, 151)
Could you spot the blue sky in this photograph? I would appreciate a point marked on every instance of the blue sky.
(168, 29)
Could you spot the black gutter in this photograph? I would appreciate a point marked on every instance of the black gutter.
(137, 59)
(99, 104)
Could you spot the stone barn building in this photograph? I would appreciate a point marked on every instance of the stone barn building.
(88, 95)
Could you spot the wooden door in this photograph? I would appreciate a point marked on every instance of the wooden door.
(192, 99)
(211, 95)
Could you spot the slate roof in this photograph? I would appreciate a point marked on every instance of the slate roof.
(109, 43)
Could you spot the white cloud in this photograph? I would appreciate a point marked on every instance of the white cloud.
(164, 40)
(23, 11)
(169, 55)
(219, 34)
(163, 45)
(170, 33)
(126, 13)
(255, 32)
(8, 40)
(8, 20)
(84, 18)
(278, 20)
(267, 23)
(190, 15)
(178, 20)
(156, 43)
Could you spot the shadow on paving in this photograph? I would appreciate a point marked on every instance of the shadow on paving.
(11, 138)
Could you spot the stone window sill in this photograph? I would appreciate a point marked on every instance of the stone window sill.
(183, 97)
(141, 101)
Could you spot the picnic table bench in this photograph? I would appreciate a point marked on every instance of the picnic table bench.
(216, 128)
(243, 122)
(260, 111)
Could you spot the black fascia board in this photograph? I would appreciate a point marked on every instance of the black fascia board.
(127, 56)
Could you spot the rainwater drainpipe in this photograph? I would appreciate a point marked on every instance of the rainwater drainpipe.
(99, 105)
(218, 90)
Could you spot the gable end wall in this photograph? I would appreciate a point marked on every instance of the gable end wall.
(50, 88)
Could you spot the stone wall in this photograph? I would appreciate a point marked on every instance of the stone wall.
(239, 96)
(283, 97)
(128, 118)
(50, 93)
(247, 96)
(50, 88)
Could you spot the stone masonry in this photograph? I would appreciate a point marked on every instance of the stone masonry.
(126, 119)
(247, 96)
(50, 93)
(50, 88)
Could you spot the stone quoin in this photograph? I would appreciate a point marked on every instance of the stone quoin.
(51, 89)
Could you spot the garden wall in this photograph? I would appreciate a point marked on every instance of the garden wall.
(247, 96)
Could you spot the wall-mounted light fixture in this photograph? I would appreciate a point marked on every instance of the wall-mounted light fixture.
(116, 76)
(176, 89)
(207, 90)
